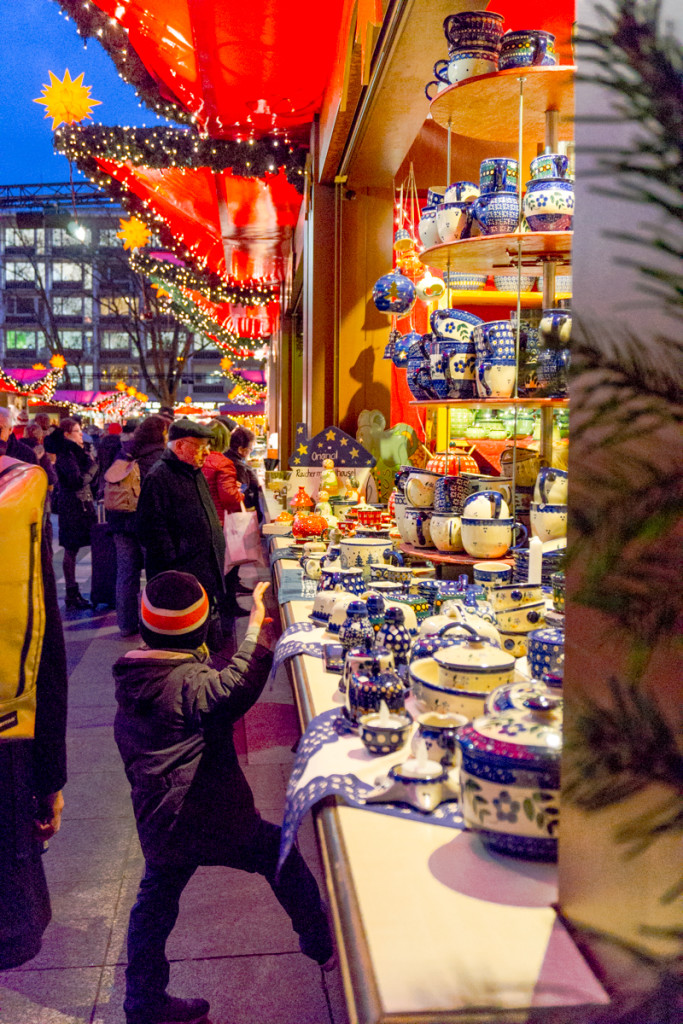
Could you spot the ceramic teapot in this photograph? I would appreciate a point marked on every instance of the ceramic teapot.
(510, 778)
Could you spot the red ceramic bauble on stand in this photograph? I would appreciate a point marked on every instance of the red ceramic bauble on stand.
(452, 463)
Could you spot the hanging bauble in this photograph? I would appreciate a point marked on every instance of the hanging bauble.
(403, 240)
(394, 293)
(429, 288)
(401, 345)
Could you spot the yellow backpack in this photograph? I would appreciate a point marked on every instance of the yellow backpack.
(22, 500)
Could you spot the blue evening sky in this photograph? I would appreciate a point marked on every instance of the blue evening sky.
(37, 38)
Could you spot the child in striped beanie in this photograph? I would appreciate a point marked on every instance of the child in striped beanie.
(193, 805)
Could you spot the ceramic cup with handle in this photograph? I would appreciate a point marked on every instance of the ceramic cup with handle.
(420, 488)
(491, 574)
(548, 522)
(445, 531)
(490, 538)
(550, 165)
(486, 505)
(551, 486)
(495, 379)
(527, 48)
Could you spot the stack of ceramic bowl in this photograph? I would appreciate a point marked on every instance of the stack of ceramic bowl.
(548, 515)
(509, 282)
(520, 609)
(458, 678)
(487, 528)
(551, 562)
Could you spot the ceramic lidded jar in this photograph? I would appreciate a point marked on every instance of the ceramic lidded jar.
(357, 630)
(510, 778)
(365, 694)
(359, 661)
(512, 696)
(394, 635)
(475, 665)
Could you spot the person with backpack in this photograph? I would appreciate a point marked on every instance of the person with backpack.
(122, 484)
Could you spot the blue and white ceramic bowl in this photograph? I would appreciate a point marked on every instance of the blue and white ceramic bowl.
(510, 777)
(545, 652)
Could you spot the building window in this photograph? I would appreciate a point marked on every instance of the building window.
(19, 238)
(20, 340)
(19, 270)
(118, 305)
(67, 305)
(61, 239)
(115, 341)
(72, 340)
(71, 272)
(107, 238)
(20, 305)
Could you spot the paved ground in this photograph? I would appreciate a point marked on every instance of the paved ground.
(233, 943)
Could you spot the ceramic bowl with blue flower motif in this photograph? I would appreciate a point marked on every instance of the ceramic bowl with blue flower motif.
(510, 777)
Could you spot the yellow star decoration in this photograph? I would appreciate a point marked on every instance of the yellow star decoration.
(297, 461)
(161, 292)
(300, 429)
(226, 364)
(38, 366)
(330, 435)
(302, 449)
(57, 361)
(354, 453)
(134, 233)
(68, 100)
(343, 441)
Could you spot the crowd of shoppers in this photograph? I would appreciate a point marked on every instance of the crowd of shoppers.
(193, 805)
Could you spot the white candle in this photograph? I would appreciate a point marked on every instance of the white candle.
(535, 561)
(385, 719)
(420, 766)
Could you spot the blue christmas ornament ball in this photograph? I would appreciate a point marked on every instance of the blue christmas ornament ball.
(394, 294)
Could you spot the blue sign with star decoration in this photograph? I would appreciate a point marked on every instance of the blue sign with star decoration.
(330, 443)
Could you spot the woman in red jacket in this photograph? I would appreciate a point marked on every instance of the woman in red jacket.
(225, 490)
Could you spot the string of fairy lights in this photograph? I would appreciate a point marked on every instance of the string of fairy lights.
(252, 292)
(44, 387)
(164, 146)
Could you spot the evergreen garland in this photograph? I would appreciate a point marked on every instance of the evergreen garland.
(163, 147)
(214, 288)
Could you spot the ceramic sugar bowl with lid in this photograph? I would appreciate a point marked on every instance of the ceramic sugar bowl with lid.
(510, 778)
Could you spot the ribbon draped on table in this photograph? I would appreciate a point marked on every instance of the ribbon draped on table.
(330, 764)
(294, 586)
(289, 552)
(301, 638)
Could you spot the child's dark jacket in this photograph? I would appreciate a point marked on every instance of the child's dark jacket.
(173, 728)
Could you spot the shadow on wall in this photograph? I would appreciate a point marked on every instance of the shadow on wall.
(369, 395)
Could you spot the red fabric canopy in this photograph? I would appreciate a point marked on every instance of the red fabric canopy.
(238, 67)
(258, 215)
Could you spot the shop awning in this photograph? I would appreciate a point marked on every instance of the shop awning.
(232, 67)
(30, 382)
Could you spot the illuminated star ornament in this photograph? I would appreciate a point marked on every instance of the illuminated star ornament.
(134, 233)
(67, 101)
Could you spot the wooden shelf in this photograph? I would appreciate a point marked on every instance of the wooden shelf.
(493, 253)
(530, 300)
(494, 403)
(449, 558)
(487, 107)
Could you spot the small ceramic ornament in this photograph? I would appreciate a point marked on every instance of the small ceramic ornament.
(328, 479)
(393, 293)
(357, 630)
(394, 635)
(429, 288)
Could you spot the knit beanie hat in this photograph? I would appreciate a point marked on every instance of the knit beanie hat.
(174, 612)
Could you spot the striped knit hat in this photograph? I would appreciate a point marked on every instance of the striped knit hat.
(174, 611)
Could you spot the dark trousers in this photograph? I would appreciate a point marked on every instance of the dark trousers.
(129, 563)
(156, 910)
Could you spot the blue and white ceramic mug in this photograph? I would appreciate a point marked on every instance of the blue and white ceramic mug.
(491, 574)
(495, 379)
(527, 48)
(496, 213)
(494, 340)
(550, 165)
(545, 652)
(498, 174)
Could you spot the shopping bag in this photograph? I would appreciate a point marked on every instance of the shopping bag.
(242, 539)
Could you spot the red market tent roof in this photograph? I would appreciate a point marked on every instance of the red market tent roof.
(233, 67)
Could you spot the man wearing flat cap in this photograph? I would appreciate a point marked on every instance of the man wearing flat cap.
(176, 518)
